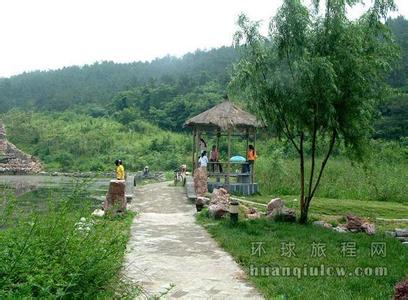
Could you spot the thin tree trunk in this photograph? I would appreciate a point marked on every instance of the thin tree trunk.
(303, 207)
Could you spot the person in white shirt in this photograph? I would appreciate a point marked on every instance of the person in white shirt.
(203, 161)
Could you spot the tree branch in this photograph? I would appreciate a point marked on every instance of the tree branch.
(332, 142)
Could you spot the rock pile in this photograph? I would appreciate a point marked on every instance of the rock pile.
(13, 160)
(200, 181)
(17, 162)
(401, 234)
(219, 203)
(277, 210)
(354, 224)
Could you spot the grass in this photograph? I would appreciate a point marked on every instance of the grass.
(241, 238)
(334, 210)
(53, 252)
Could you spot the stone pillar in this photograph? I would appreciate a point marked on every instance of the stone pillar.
(129, 188)
(115, 199)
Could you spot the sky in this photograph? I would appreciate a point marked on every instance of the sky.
(51, 34)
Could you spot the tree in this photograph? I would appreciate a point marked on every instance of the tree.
(316, 78)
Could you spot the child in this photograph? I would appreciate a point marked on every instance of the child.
(120, 170)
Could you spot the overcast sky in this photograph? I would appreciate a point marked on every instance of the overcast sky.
(50, 34)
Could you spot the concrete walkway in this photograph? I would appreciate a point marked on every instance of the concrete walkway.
(169, 250)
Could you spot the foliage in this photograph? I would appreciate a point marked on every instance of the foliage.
(75, 142)
(95, 85)
(317, 77)
(238, 241)
(59, 254)
(381, 177)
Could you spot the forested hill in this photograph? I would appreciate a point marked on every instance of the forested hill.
(99, 83)
(168, 90)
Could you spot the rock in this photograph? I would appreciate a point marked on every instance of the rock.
(405, 244)
(98, 212)
(217, 211)
(356, 224)
(115, 199)
(252, 213)
(402, 239)
(401, 290)
(340, 229)
(276, 203)
(283, 214)
(369, 228)
(390, 233)
(202, 201)
(401, 232)
(322, 224)
(200, 181)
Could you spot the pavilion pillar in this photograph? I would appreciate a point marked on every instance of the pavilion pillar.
(253, 167)
(227, 178)
(194, 149)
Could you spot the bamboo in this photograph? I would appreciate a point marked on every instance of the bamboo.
(194, 147)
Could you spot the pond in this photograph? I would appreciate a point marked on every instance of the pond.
(34, 192)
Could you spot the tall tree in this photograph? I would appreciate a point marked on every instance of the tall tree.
(316, 78)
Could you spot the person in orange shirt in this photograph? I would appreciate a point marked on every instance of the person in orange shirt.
(251, 157)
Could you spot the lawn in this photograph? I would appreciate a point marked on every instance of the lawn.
(257, 245)
(334, 210)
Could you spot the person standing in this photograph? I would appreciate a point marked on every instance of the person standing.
(203, 146)
(251, 157)
(214, 158)
(203, 161)
(120, 170)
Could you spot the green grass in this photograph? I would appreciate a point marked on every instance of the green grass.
(238, 240)
(47, 253)
(334, 210)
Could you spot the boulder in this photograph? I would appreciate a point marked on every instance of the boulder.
(356, 224)
(401, 232)
(390, 233)
(401, 290)
(217, 211)
(340, 229)
(115, 199)
(322, 224)
(252, 213)
(369, 228)
(283, 214)
(98, 213)
(276, 203)
(200, 181)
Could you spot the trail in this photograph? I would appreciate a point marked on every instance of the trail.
(168, 249)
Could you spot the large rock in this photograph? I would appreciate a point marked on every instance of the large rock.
(401, 232)
(356, 224)
(276, 203)
(401, 290)
(322, 224)
(200, 181)
(252, 213)
(115, 199)
(283, 214)
(217, 211)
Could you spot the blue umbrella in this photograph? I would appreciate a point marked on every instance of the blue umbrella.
(237, 158)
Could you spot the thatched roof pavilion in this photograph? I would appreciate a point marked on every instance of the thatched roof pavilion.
(224, 116)
(228, 118)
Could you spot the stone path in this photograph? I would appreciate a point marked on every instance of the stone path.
(168, 249)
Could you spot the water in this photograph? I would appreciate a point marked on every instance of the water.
(34, 192)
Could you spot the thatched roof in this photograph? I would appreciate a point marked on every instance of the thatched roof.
(225, 116)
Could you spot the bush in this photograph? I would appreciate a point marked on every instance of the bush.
(63, 253)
